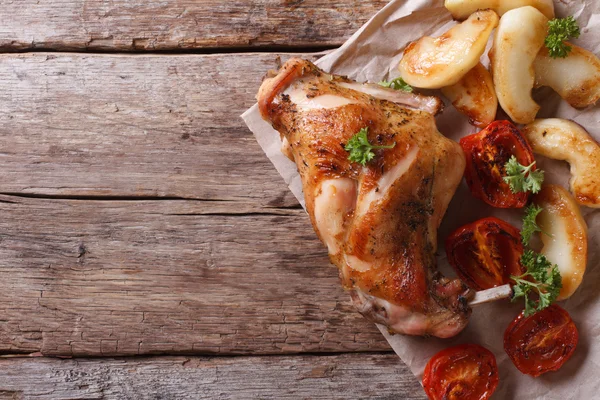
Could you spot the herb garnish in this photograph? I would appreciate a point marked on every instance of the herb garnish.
(559, 30)
(521, 178)
(360, 149)
(530, 225)
(546, 282)
(397, 84)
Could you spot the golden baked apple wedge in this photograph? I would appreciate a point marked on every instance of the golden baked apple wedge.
(474, 96)
(575, 78)
(519, 37)
(564, 237)
(461, 9)
(433, 63)
(561, 139)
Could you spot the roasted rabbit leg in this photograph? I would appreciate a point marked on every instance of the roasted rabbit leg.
(379, 221)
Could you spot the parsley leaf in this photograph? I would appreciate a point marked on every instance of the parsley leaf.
(530, 225)
(559, 30)
(360, 149)
(541, 278)
(521, 178)
(397, 84)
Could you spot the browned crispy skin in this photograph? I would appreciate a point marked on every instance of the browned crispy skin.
(385, 248)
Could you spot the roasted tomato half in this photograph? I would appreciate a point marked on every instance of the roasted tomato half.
(542, 342)
(485, 253)
(465, 372)
(487, 153)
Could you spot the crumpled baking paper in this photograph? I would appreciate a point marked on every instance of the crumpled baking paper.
(372, 54)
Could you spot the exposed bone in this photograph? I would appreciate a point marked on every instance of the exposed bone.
(493, 294)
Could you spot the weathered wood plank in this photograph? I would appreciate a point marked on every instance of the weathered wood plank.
(133, 25)
(347, 376)
(103, 278)
(119, 125)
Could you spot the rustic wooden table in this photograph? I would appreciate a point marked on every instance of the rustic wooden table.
(148, 249)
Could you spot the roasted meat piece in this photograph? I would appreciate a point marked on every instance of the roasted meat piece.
(378, 221)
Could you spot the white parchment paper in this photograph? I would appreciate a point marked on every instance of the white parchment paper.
(372, 54)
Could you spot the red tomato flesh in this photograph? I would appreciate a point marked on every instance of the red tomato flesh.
(465, 372)
(487, 152)
(542, 342)
(485, 253)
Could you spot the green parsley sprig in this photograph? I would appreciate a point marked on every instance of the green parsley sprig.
(360, 149)
(545, 281)
(530, 225)
(559, 30)
(397, 84)
(521, 178)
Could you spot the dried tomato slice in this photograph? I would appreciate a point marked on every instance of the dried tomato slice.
(487, 152)
(466, 372)
(542, 342)
(485, 253)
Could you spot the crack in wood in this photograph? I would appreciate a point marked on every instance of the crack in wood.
(364, 375)
(106, 198)
(162, 283)
(133, 25)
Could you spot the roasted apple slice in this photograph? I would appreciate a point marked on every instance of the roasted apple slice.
(519, 37)
(433, 63)
(461, 9)
(575, 78)
(474, 96)
(564, 237)
(561, 139)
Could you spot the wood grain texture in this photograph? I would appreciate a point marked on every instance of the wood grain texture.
(103, 278)
(138, 126)
(347, 376)
(134, 25)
